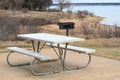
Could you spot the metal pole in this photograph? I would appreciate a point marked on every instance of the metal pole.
(38, 46)
(60, 56)
(64, 55)
(33, 45)
(67, 32)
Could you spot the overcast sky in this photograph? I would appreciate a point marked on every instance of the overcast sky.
(95, 1)
(91, 1)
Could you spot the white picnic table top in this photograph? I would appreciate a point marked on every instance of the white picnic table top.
(52, 38)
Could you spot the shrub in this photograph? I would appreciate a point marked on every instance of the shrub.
(82, 14)
(8, 27)
(85, 12)
(100, 31)
(116, 31)
(11, 26)
(53, 10)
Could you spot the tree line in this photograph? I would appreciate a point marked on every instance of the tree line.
(39, 5)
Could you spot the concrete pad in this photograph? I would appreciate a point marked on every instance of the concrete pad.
(99, 69)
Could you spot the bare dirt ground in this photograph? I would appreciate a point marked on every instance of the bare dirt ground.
(99, 69)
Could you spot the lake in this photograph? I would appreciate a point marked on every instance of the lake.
(110, 12)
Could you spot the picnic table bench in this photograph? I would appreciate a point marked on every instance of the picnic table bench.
(37, 56)
(84, 50)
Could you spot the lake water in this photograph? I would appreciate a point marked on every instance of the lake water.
(111, 12)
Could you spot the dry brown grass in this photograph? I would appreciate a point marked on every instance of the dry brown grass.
(4, 44)
(103, 42)
(48, 15)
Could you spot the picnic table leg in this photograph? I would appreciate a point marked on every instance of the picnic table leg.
(17, 65)
(88, 62)
(42, 47)
(62, 55)
(33, 45)
(35, 73)
(40, 73)
(38, 48)
(55, 50)
(80, 67)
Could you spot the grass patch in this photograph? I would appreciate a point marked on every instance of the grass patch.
(111, 52)
(109, 48)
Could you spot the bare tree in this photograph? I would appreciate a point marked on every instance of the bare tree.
(43, 4)
(63, 4)
(3, 4)
(11, 4)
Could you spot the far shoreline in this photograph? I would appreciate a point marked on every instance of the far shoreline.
(92, 4)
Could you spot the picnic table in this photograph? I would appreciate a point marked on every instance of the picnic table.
(47, 39)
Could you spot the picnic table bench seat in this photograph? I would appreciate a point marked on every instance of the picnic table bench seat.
(74, 48)
(40, 56)
(37, 56)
